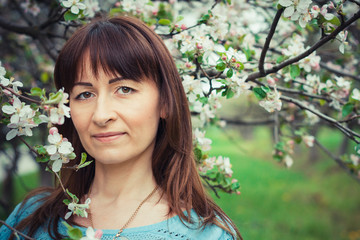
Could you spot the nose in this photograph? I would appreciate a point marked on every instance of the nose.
(104, 112)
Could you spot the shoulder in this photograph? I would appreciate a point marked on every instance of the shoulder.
(21, 211)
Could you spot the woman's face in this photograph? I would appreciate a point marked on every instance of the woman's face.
(116, 119)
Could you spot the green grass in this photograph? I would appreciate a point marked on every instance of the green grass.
(308, 201)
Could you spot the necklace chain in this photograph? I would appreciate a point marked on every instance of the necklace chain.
(130, 219)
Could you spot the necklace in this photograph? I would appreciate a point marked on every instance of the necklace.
(129, 220)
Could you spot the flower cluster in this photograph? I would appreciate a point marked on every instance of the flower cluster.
(297, 10)
(272, 101)
(21, 120)
(217, 163)
(60, 149)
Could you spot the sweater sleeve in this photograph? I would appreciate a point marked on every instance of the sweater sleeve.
(18, 214)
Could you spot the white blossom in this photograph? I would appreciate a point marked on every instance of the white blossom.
(92, 6)
(356, 94)
(74, 5)
(224, 165)
(297, 10)
(192, 88)
(288, 161)
(203, 142)
(21, 120)
(308, 140)
(91, 234)
(272, 101)
(60, 150)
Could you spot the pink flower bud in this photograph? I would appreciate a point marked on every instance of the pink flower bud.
(117, 4)
(155, 12)
(280, 153)
(237, 65)
(199, 46)
(183, 27)
(238, 192)
(65, 140)
(98, 234)
(271, 81)
(53, 130)
(223, 57)
(233, 59)
(234, 180)
(188, 65)
(176, 25)
(46, 107)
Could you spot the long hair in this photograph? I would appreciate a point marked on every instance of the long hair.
(125, 46)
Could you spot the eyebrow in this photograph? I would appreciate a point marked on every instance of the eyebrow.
(111, 81)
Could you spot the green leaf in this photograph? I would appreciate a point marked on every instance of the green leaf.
(204, 18)
(35, 91)
(83, 158)
(66, 201)
(179, 18)
(164, 22)
(114, 11)
(75, 233)
(347, 109)
(34, 106)
(266, 89)
(40, 149)
(241, 65)
(54, 98)
(44, 158)
(230, 93)
(198, 154)
(357, 149)
(220, 66)
(69, 16)
(280, 59)
(294, 71)
(335, 20)
(84, 164)
(75, 198)
(259, 93)
(230, 73)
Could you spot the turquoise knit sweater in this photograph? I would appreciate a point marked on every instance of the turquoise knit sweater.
(171, 228)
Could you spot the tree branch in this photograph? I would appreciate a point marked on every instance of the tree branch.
(307, 52)
(268, 40)
(348, 132)
(337, 160)
(20, 95)
(15, 230)
(31, 31)
(339, 72)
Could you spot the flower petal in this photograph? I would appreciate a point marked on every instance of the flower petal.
(289, 11)
(11, 134)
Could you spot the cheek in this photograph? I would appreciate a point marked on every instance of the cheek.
(79, 119)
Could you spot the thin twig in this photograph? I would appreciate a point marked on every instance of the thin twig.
(210, 186)
(31, 148)
(268, 40)
(350, 133)
(20, 95)
(15, 230)
(337, 160)
(58, 177)
(350, 119)
(312, 49)
(339, 72)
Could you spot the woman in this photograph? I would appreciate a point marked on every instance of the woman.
(130, 114)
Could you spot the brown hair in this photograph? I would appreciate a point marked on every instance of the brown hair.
(126, 46)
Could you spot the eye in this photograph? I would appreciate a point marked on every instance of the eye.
(125, 90)
(84, 95)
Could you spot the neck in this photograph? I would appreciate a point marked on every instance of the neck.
(122, 181)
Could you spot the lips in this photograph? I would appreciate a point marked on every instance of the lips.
(108, 137)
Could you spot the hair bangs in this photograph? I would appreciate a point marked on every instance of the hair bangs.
(119, 50)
